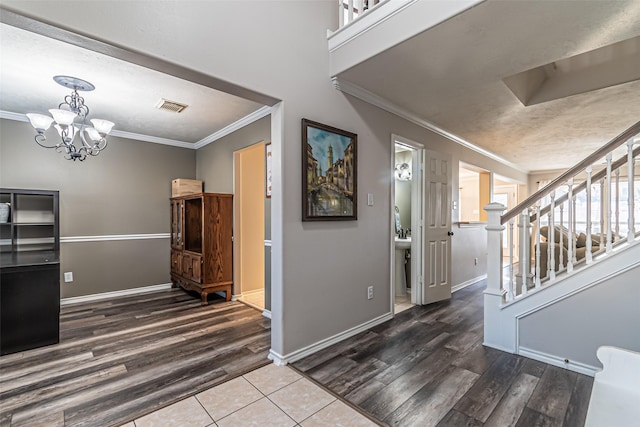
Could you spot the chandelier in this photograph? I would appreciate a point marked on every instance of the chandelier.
(71, 109)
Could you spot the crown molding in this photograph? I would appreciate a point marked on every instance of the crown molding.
(150, 138)
(246, 120)
(386, 105)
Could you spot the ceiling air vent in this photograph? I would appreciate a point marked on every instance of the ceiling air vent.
(174, 107)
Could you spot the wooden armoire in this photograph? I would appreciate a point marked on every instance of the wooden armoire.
(202, 243)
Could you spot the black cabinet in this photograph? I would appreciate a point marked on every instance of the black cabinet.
(30, 304)
(29, 270)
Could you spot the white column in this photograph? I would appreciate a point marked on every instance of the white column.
(511, 292)
(497, 332)
(607, 212)
(524, 261)
(571, 226)
(632, 232)
(561, 245)
(589, 255)
(551, 241)
(494, 249)
(537, 241)
(618, 203)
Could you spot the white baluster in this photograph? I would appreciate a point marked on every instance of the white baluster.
(589, 255)
(511, 292)
(538, 244)
(609, 245)
(551, 243)
(617, 203)
(572, 226)
(350, 11)
(574, 260)
(632, 231)
(561, 245)
(524, 261)
(360, 7)
(601, 243)
(341, 13)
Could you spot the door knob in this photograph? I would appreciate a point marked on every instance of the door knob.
(449, 233)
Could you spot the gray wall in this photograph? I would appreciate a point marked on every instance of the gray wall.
(125, 190)
(468, 243)
(214, 166)
(574, 328)
(280, 48)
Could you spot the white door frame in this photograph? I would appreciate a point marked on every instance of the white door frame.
(417, 222)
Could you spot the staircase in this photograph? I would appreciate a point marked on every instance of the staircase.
(570, 281)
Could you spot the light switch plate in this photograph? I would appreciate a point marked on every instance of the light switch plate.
(369, 199)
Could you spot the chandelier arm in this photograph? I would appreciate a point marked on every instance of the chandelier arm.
(41, 138)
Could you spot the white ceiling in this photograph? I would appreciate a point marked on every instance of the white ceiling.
(451, 75)
(125, 93)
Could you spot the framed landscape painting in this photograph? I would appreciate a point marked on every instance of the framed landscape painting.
(329, 173)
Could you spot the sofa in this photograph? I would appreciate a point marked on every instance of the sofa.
(580, 250)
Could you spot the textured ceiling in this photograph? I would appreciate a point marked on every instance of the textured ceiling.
(125, 93)
(451, 75)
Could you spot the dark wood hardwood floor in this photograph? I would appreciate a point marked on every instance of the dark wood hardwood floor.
(428, 367)
(122, 358)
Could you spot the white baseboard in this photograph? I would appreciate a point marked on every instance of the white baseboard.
(114, 294)
(551, 359)
(497, 347)
(266, 313)
(279, 359)
(468, 283)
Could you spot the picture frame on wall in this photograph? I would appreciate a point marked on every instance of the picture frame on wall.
(267, 169)
(329, 173)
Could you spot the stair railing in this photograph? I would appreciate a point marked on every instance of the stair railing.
(584, 213)
(350, 10)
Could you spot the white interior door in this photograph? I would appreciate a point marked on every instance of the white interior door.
(437, 265)
(417, 226)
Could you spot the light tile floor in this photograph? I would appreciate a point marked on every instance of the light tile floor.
(273, 395)
(402, 303)
(254, 299)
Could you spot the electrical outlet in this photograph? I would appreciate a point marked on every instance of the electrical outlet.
(370, 292)
(68, 276)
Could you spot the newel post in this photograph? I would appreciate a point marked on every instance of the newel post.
(494, 249)
(498, 332)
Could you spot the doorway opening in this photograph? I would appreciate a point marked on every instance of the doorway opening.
(248, 241)
(407, 224)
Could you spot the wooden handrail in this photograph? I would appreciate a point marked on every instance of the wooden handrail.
(553, 185)
(595, 177)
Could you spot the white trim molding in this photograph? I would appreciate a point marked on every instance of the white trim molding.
(378, 101)
(267, 243)
(114, 294)
(245, 121)
(550, 359)
(280, 360)
(468, 283)
(151, 138)
(266, 313)
(113, 237)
